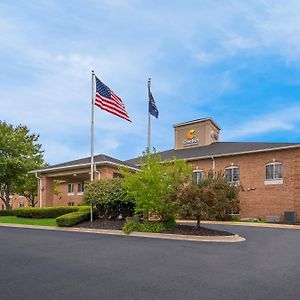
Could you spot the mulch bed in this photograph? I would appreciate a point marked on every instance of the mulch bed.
(179, 229)
(192, 230)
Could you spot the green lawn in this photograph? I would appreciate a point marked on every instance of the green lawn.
(28, 221)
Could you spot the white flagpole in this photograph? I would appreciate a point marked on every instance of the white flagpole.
(92, 139)
(149, 119)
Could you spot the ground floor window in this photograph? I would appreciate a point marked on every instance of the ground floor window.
(117, 175)
(232, 212)
(274, 173)
(70, 188)
(21, 204)
(80, 187)
(232, 174)
(70, 203)
(197, 176)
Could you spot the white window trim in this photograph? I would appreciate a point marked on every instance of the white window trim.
(234, 167)
(274, 180)
(79, 193)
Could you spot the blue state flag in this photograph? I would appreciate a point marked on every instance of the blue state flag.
(152, 106)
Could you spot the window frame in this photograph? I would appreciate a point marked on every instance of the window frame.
(80, 192)
(274, 179)
(198, 171)
(231, 168)
(70, 191)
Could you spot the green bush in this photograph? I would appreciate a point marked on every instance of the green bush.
(72, 218)
(109, 198)
(146, 227)
(47, 212)
(6, 213)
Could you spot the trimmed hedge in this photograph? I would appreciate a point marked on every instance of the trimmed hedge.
(72, 218)
(47, 212)
(4, 213)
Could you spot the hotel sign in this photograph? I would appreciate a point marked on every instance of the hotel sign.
(191, 140)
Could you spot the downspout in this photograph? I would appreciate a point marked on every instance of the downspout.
(213, 166)
(40, 188)
(98, 172)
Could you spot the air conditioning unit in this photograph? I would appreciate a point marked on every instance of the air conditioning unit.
(290, 217)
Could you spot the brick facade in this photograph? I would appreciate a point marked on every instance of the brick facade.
(258, 199)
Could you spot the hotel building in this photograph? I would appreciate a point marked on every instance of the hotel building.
(269, 173)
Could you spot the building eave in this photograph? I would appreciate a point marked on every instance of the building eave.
(233, 153)
(102, 163)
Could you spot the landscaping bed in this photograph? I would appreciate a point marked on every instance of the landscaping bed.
(179, 229)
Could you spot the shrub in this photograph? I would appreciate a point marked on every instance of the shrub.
(147, 226)
(109, 198)
(47, 212)
(72, 218)
(6, 213)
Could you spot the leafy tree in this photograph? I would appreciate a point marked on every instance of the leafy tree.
(226, 194)
(156, 186)
(197, 201)
(20, 152)
(211, 197)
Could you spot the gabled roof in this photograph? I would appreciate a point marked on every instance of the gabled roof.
(100, 159)
(220, 149)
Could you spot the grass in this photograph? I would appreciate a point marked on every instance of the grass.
(28, 221)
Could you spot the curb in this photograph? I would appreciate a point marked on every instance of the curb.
(179, 237)
(249, 224)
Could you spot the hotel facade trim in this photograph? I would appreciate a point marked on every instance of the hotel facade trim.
(268, 173)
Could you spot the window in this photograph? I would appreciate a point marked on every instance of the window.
(21, 204)
(117, 175)
(232, 212)
(70, 203)
(70, 188)
(274, 173)
(232, 174)
(80, 188)
(197, 176)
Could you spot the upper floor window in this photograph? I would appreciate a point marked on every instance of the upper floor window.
(197, 176)
(80, 188)
(274, 173)
(70, 188)
(232, 174)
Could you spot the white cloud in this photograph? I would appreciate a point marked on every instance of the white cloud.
(281, 120)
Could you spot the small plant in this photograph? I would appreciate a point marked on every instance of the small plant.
(147, 226)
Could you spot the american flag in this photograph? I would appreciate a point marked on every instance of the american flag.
(107, 100)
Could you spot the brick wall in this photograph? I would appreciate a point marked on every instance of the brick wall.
(258, 199)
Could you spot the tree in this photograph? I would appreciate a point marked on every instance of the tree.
(20, 152)
(155, 187)
(197, 201)
(226, 194)
(211, 197)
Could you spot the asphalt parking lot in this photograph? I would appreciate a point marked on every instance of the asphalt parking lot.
(38, 264)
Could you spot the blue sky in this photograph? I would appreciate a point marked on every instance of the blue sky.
(235, 61)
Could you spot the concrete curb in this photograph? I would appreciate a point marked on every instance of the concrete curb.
(249, 224)
(223, 239)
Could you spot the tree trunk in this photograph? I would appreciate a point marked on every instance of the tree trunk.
(198, 221)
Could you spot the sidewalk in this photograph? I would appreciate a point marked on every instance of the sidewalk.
(222, 239)
(250, 224)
